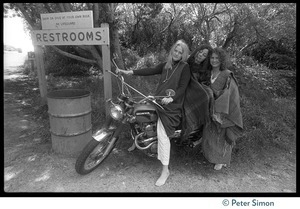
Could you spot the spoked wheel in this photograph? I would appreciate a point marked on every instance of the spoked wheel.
(93, 155)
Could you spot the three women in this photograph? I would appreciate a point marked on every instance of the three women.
(208, 67)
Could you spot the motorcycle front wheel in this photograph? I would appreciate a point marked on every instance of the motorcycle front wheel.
(93, 155)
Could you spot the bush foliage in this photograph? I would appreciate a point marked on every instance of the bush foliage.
(275, 55)
(59, 65)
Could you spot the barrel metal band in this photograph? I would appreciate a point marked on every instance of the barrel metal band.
(73, 134)
(69, 115)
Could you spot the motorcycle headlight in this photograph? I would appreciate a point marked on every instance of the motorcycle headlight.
(116, 112)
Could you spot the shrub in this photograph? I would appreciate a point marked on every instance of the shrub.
(279, 61)
(144, 84)
(60, 65)
(275, 55)
(247, 60)
(130, 58)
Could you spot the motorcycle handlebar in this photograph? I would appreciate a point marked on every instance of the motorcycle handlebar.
(155, 100)
(150, 98)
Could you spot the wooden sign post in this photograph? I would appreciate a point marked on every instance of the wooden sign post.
(41, 73)
(71, 28)
(106, 75)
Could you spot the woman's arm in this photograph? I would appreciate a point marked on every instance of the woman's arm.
(144, 71)
(150, 70)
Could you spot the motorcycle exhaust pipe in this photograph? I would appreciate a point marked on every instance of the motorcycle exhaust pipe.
(145, 140)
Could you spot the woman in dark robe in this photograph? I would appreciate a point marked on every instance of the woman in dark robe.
(200, 65)
(175, 74)
(220, 135)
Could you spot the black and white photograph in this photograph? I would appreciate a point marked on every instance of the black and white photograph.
(150, 99)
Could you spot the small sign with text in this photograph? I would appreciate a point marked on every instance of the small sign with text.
(67, 20)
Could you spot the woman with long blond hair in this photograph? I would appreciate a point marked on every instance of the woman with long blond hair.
(175, 74)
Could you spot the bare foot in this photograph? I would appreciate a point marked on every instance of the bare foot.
(219, 166)
(130, 149)
(163, 178)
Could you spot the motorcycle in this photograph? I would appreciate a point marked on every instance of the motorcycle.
(142, 117)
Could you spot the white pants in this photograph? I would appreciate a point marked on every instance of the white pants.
(164, 145)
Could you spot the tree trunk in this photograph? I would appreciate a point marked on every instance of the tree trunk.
(61, 7)
(117, 48)
(96, 15)
(67, 7)
(231, 35)
(95, 51)
(27, 17)
(73, 56)
(115, 44)
(98, 58)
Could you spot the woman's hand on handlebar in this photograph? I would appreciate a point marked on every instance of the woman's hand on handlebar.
(166, 100)
(126, 72)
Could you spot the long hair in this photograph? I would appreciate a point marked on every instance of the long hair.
(185, 53)
(205, 64)
(223, 58)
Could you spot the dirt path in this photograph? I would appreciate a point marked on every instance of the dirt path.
(30, 165)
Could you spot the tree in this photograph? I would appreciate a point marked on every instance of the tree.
(101, 13)
(149, 27)
(139, 25)
(257, 23)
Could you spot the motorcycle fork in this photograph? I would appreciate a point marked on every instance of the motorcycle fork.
(114, 139)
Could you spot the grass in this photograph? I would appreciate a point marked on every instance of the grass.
(269, 114)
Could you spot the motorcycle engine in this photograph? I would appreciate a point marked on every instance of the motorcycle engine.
(147, 138)
(145, 126)
(150, 130)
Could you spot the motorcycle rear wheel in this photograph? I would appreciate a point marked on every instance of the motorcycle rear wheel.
(93, 155)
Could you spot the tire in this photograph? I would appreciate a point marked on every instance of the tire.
(92, 155)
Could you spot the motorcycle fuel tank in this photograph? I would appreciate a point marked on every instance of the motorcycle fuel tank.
(145, 113)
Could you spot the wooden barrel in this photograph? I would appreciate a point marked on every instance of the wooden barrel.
(70, 120)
